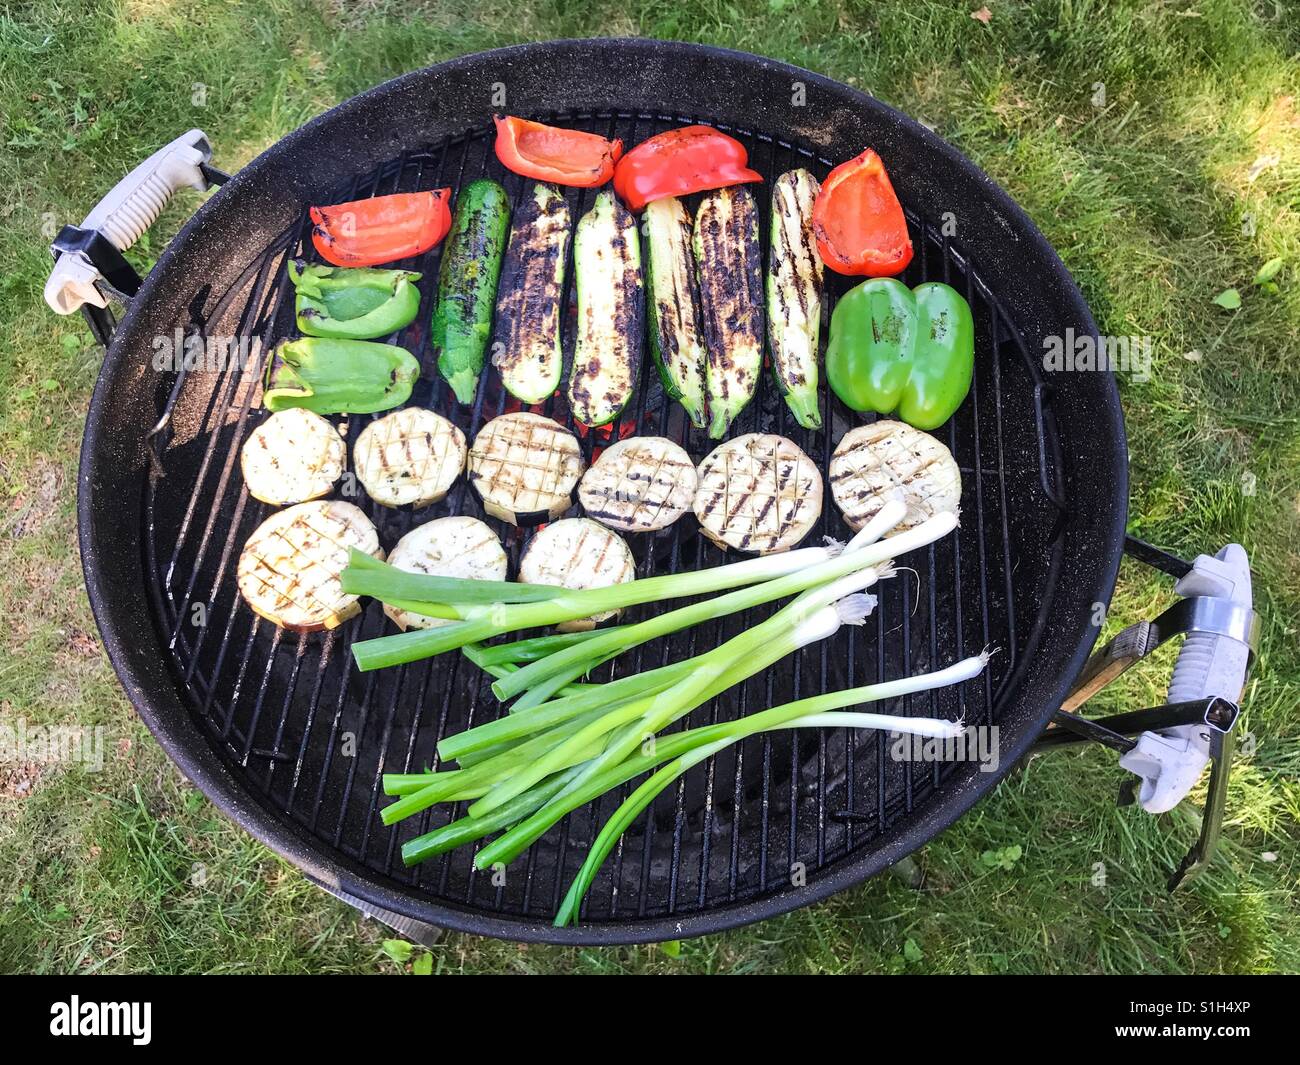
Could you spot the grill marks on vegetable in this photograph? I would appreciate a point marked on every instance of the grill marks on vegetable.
(676, 332)
(611, 309)
(410, 456)
(527, 348)
(577, 553)
(639, 485)
(759, 493)
(289, 569)
(888, 460)
(794, 290)
(730, 269)
(525, 467)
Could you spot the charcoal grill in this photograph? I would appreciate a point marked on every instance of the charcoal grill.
(289, 740)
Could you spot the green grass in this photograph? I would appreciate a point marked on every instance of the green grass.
(1182, 183)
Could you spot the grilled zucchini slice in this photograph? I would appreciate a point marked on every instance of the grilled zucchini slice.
(758, 493)
(888, 460)
(447, 547)
(639, 484)
(410, 456)
(526, 349)
(289, 569)
(673, 306)
(794, 295)
(524, 468)
(577, 553)
(611, 311)
(730, 266)
(292, 457)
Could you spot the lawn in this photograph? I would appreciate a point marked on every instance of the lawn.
(1158, 147)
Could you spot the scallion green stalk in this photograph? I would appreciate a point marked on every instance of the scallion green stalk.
(503, 615)
(805, 713)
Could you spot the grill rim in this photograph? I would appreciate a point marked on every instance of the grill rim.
(105, 524)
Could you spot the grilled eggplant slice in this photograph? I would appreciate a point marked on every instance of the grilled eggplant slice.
(794, 295)
(527, 346)
(292, 457)
(524, 468)
(410, 456)
(673, 306)
(577, 553)
(758, 493)
(890, 460)
(611, 311)
(730, 266)
(639, 484)
(447, 547)
(289, 569)
(467, 285)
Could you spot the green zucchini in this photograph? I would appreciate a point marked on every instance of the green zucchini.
(467, 285)
(673, 305)
(526, 349)
(794, 295)
(611, 311)
(730, 267)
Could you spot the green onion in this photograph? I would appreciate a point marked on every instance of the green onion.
(495, 616)
(716, 671)
(703, 743)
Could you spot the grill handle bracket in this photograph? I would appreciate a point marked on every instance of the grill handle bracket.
(1195, 728)
(89, 268)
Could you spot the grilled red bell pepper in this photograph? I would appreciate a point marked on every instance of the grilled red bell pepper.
(381, 229)
(679, 162)
(549, 153)
(858, 221)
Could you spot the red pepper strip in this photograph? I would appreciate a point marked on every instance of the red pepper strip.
(381, 229)
(858, 221)
(549, 153)
(679, 162)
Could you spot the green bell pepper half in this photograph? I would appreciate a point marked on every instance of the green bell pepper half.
(331, 376)
(353, 303)
(898, 350)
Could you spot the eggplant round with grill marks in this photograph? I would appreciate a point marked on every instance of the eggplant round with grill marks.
(410, 456)
(639, 484)
(292, 457)
(289, 569)
(577, 553)
(758, 492)
(524, 468)
(446, 547)
(887, 460)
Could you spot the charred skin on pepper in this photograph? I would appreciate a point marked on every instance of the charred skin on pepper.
(730, 266)
(331, 376)
(381, 229)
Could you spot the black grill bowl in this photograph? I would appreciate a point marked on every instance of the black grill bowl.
(283, 735)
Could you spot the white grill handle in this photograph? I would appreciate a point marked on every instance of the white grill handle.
(128, 209)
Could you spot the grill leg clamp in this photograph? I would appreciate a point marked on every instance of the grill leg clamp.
(1174, 742)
